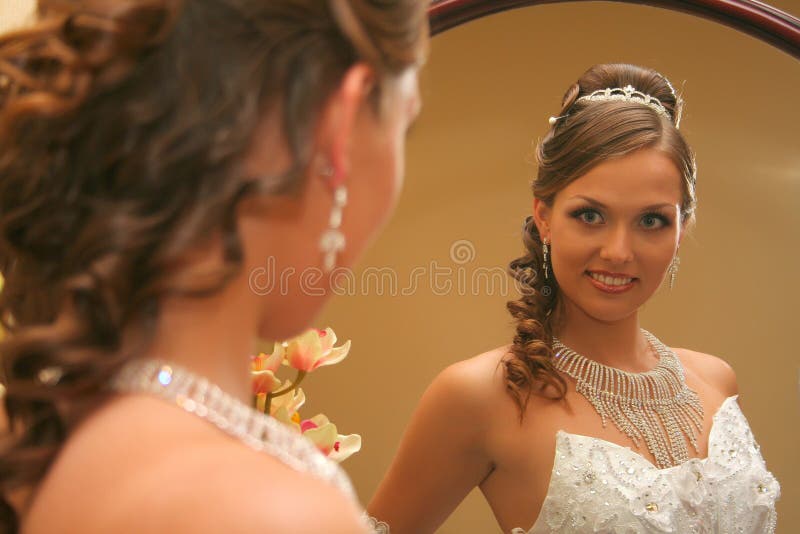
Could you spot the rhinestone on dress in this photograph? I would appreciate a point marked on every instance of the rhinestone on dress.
(732, 494)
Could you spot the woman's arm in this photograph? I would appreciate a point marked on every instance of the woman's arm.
(442, 454)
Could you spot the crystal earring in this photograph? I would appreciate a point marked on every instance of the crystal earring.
(673, 271)
(333, 241)
(545, 253)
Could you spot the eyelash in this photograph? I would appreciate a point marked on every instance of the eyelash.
(578, 214)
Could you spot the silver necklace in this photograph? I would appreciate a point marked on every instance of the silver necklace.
(200, 397)
(656, 407)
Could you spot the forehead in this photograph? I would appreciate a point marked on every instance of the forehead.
(642, 178)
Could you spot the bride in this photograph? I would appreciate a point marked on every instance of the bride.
(153, 155)
(587, 422)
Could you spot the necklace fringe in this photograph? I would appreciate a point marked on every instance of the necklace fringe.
(656, 407)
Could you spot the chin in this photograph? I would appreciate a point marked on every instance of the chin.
(292, 319)
(607, 312)
(610, 316)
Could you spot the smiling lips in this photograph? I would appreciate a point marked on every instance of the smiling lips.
(611, 282)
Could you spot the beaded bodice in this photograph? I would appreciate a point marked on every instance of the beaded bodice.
(599, 486)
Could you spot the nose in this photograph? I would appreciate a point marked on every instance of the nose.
(617, 247)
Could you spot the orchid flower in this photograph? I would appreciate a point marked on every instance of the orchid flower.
(263, 368)
(285, 407)
(325, 436)
(315, 348)
(282, 400)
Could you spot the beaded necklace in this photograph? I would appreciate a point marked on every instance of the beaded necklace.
(656, 407)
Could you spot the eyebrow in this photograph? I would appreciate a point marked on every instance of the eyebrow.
(603, 206)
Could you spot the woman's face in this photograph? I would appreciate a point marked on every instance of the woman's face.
(613, 233)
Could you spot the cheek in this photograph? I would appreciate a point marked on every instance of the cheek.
(571, 253)
(659, 258)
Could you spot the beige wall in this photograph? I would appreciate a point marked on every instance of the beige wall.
(489, 89)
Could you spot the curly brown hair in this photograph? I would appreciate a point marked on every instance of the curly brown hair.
(122, 129)
(584, 134)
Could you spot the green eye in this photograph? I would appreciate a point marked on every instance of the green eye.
(654, 221)
(587, 215)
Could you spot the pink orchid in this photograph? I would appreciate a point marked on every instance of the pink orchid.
(282, 400)
(269, 362)
(315, 348)
(285, 407)
(263, 368)
(325, 436)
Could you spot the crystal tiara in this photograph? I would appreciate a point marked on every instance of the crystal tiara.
(627, 94)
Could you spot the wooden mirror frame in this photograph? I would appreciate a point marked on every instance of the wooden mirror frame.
(755, 18)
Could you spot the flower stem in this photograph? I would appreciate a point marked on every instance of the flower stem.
(261, 402)
(291, 387)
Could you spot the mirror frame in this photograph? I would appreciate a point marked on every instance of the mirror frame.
(752, 17)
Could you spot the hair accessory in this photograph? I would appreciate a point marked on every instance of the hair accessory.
(333, 241)
(554, 120)
(656, 407)
(673, 270)
(627, 94)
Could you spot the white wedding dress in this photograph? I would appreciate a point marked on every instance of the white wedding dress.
(599, 486)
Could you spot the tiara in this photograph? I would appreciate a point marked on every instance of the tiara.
(627, 94)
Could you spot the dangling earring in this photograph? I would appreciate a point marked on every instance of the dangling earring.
(545, 253)
(673, 270)
(332, 241)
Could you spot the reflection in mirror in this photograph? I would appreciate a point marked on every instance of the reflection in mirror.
(419, 303)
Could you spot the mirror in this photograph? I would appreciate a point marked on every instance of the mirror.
(430, 292)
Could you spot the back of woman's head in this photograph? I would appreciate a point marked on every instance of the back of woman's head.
(611, 111)
(123, 125)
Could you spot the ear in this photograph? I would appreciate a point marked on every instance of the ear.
(541, 216)
(339, 117)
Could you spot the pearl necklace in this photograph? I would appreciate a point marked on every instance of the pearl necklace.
(200, 397)
(656, 407)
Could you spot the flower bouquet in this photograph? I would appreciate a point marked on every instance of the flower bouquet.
(282, 399)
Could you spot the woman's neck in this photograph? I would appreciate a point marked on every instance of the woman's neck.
(618, 344)
(212, 337)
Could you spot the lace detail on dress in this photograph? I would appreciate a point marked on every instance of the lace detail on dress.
(599, 486)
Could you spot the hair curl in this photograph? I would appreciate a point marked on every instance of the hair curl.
(122, 127)
(585, 134)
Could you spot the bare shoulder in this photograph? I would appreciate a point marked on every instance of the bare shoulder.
(166, 471)
(472, 390)
(474, 380)
(229, 488)
(712, 370)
